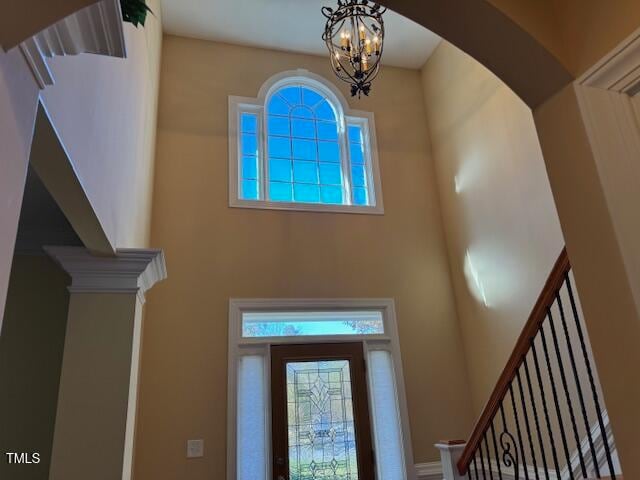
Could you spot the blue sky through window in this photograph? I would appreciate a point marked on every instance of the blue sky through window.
(292, 324)
(302, 139)
(295, 151)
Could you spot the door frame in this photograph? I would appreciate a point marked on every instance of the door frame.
(239, 346)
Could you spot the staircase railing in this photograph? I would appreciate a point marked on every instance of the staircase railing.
(544, 418)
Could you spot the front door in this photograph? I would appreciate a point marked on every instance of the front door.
(320, 413)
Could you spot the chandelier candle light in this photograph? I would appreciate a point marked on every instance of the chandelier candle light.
(354, 35)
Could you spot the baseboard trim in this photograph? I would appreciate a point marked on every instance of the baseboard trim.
(429, 471)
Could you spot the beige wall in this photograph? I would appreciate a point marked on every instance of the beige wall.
(589, 29)
(215, 252)
(31, 344)
(500, 220)
(611, 313)
(104, 110)
(577, 32)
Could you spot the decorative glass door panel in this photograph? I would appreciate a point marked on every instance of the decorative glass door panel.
(320, 413)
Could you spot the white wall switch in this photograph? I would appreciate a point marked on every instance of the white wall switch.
(195, 448)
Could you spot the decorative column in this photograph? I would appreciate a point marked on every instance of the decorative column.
(450, 452)
(581, 134)
(97, 397)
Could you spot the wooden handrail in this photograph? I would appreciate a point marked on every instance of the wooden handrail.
(536, 318)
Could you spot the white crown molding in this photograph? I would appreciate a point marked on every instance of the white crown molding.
(429, 471)
(618, 71)
(96, 29)
(129, 271)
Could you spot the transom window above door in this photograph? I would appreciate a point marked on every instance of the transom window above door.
(298, 147)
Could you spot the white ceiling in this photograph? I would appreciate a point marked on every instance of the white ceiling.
(291, 25)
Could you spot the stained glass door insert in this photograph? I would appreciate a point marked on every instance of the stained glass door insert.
(325, 438)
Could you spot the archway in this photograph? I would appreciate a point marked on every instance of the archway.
(484, 32)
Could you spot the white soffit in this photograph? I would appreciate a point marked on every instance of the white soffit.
(289, 25)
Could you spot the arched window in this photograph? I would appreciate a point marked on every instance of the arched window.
(298, 147)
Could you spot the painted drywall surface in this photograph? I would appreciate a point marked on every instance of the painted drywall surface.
(590, 29)
(607, 298)
(18, 104)
(31, 345)
(577, 32)
(501, 225)
(215, 252)
(104, 110)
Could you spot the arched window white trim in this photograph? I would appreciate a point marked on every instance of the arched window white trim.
(354, 185)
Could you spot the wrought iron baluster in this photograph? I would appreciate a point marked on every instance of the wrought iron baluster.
(520, 442)
(535, 416)
(484, 472)
(495, 449)
(475, 468)
(544, 405)
(594, 391)
(554, 391)
(565, 387)
(583, 409)
(526, 424)
(506, 443)
(486, 445)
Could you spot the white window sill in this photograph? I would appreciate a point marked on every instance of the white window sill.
(308, 207)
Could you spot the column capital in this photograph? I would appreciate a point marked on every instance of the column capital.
(130, 270)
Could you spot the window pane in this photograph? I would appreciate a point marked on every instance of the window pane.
(360, 196)
(310, 98)
(357, 156)
(251, 421)
(249, 168)
(278, 126)
(291, 95)
(329, 152)
(280, 170)
(302, 112)
(321, 427)
(355, 134)
(330, 174)
(304, 149)
(306, 193)
(386, 416)
(280, 192)
(358, 176)
(325, 112)
(278, 106)
(303, 128)
(305, 172)
(249, 123)
(279, 147)
(331, 194)
(249, 144)
(249, 190)
(327, 131)
(293, 324)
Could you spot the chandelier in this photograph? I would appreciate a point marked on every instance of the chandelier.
(354, 35)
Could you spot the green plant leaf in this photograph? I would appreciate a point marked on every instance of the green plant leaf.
(135, 11)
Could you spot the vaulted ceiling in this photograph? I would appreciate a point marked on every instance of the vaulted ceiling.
(290, 25)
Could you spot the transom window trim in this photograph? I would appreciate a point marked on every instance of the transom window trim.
(345, 117)
(258, 349)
